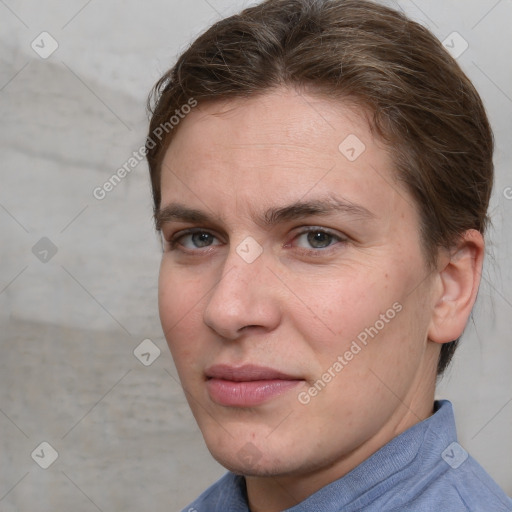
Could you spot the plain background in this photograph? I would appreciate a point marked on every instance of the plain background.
(70, 321)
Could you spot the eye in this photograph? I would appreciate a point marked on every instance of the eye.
(317, 238)
(193, 239)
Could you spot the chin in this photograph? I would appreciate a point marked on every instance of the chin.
(248, 460)
(254, 468)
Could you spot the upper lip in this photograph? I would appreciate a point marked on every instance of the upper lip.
(247, 372)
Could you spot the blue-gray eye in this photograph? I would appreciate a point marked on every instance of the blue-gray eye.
(195, 240)
(319, 239)
(316, 239)
(202, 239)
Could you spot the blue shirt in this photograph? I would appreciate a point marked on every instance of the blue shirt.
(423, 469)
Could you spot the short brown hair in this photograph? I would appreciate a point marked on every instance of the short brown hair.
(422, 105)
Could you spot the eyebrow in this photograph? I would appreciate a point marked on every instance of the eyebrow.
(178, 212)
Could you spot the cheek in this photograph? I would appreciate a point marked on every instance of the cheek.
(179, 291)
(338, 307)
(179, 303)
(384, 331)
(360, 314)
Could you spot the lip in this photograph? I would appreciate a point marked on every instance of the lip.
(247, 385)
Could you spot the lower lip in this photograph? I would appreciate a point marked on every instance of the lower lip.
(247, 393)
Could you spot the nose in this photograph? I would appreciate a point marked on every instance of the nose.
(245, 298)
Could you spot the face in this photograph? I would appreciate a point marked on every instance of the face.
(293, 291)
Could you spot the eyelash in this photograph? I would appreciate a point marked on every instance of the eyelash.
(174, 242)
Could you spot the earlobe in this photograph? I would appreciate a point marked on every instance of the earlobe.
(459, 274)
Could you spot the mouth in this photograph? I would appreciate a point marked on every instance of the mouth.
(248, 385)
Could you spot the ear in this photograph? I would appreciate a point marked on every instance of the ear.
(459, 275)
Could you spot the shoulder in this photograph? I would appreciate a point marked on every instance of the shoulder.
(473, 487)
(457, 484)
(440, 476)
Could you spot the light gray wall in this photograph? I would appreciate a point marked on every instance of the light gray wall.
(68, 326)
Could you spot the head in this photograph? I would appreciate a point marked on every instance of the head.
(335, 165)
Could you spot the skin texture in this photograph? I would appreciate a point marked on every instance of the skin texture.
(299, 306)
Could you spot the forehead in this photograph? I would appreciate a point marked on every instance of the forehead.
(279, 147)
(280, 120)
